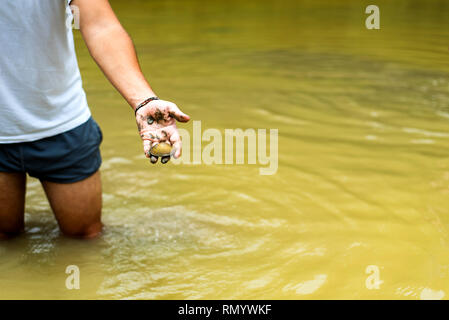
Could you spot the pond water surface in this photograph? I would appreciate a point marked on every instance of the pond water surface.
(363, 171)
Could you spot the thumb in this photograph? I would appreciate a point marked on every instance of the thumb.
(178, 114)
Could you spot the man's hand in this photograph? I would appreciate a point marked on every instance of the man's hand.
(114, 52)
(157, 123)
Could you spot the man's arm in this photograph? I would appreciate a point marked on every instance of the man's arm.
(113, 50)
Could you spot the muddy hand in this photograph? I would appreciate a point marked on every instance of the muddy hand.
(157, 124)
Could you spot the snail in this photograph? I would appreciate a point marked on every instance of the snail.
(163, 150)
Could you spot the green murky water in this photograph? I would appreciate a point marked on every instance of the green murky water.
(363, 173)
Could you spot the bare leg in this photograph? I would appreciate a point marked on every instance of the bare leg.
(12, 204)
(77, 206)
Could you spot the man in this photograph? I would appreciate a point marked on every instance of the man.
(46, 129)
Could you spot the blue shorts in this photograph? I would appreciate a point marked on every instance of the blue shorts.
(64, 158)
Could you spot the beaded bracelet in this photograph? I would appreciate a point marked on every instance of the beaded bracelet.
(143, 104)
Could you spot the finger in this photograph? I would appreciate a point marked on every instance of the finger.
(147, 147)
(175, 140)
(163, 136)
(154, 143)
(153, 158)
(178, 114)
(150, 135)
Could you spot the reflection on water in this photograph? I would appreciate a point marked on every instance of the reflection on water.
(363, 176)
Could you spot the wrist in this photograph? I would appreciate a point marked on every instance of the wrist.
(138, 99)
(144, 103)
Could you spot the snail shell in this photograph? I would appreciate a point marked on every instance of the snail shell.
(162, 149)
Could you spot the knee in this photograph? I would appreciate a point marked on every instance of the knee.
(87, 231)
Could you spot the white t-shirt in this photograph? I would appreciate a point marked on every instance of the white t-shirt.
(41, 93)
